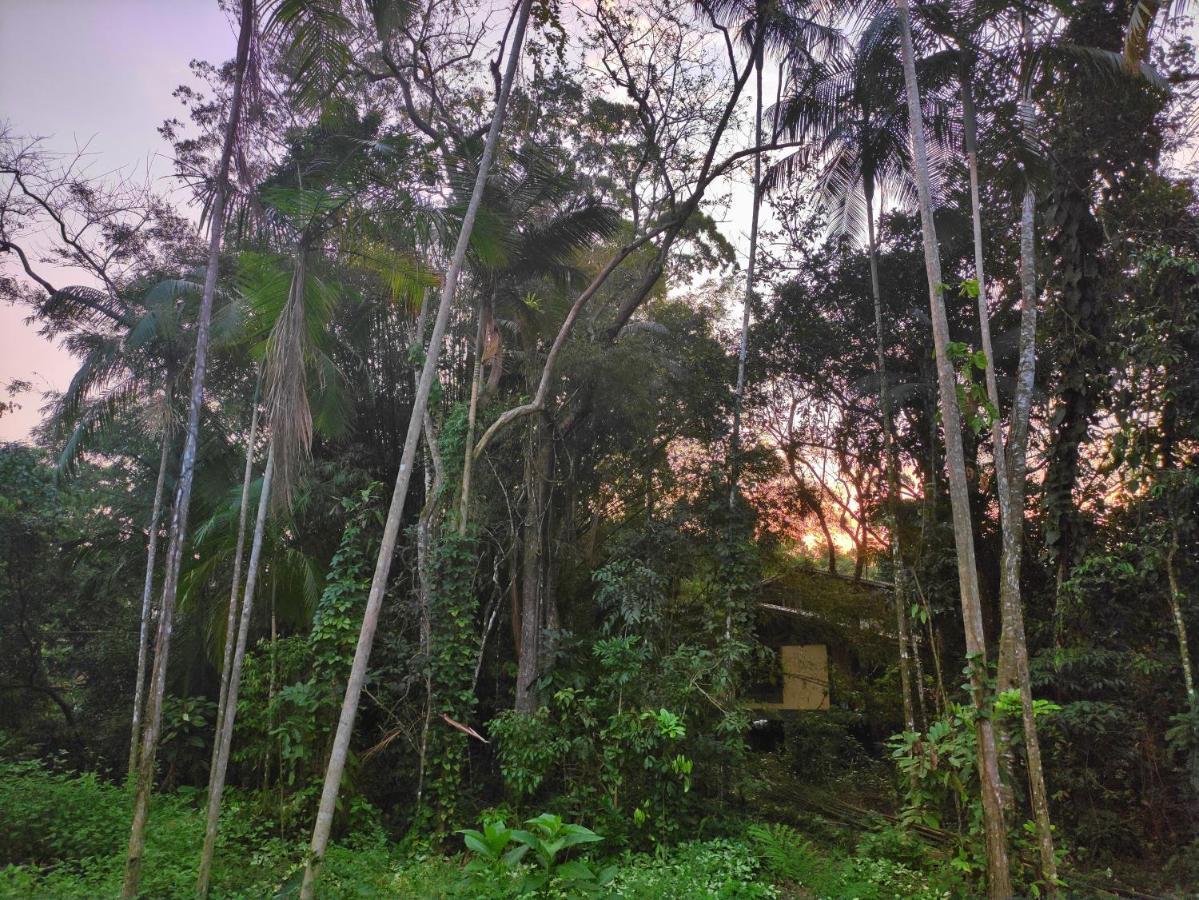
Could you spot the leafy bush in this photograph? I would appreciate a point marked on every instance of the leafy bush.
(612, 747)
(497, 866)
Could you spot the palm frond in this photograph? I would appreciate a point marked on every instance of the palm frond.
(314, 35)
(80, 304)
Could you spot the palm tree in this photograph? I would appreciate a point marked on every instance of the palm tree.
(370, 619)
(178, 531)
(853, 113)
(998, 875)
(295, 354)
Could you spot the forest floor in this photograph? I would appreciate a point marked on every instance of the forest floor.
(63, 836)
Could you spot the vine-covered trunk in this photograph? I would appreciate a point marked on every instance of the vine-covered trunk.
(370, 619)
(1011, 467)
(187, 468)
(998, 875)
(1184, 652)
(143, 635)
(224, 737)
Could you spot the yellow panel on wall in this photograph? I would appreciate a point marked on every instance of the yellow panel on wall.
(805, 676)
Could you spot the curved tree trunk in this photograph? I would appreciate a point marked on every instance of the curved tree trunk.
(998, 874)
(187, 468)
(224, 736)
(143, 638)
(370, 619)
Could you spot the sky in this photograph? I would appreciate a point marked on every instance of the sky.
(100, 73)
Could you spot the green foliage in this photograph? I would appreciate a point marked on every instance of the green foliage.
(631, 766)
(185, 745)
(723, 868)
(971, 366)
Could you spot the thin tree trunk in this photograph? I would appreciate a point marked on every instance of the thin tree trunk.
(468, 457)
(370, 618)
(224, 740)
(998, 874)
(235, 585)
(1184, 653)
(187, 468)
(743, 349)
(891, 461)
(143, 638)
(424, 577)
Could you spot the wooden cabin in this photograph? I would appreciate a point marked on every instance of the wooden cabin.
(824, 629)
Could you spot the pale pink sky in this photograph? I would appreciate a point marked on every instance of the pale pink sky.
(96, 72)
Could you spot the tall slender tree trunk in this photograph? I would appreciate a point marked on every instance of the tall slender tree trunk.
(891, 461)
(224, 738)
(1011, 467)
(750, 271)
(143, 638)
(370, 619)
(998, 874)
(235, 585)
(187, 468)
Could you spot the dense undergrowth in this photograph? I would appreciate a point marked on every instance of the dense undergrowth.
(64, 836)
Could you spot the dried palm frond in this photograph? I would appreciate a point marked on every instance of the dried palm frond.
(287, 407)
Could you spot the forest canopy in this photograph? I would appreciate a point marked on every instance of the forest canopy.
(667, 448)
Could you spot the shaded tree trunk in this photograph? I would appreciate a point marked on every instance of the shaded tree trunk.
(891, 461)
(187, 467)
(370, 620)
(472, 413)
(143, 638)
(537, 461)
(1184, 652)
(998, 874)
